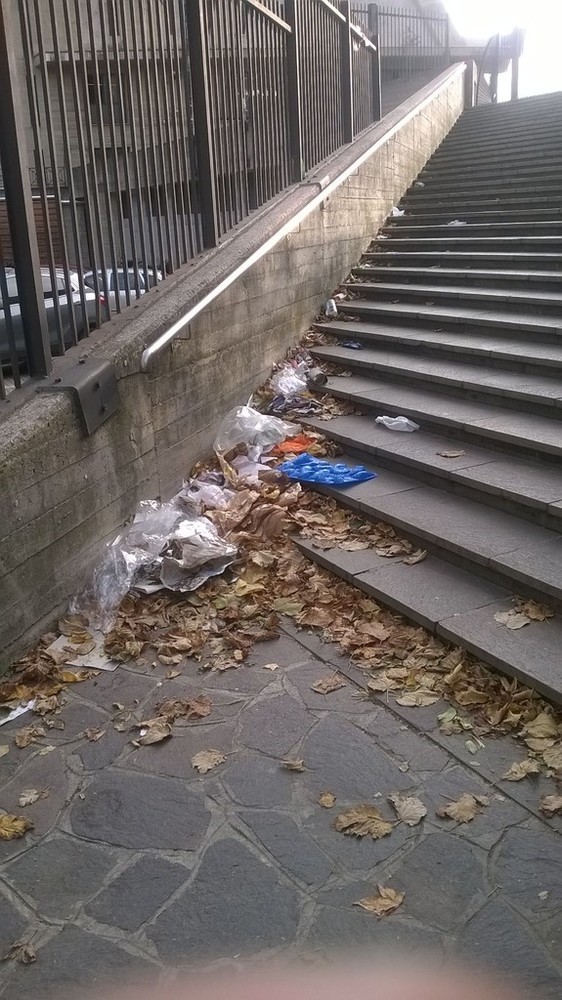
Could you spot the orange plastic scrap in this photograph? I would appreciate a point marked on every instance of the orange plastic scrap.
(294, 446)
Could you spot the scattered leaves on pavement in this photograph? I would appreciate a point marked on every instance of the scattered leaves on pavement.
(408, 808)
(12, 827)
(550, 805)
(387, 901)
(206, 760)
(328, 684)
(520, 770)
(185, 708)
(31, 795)
(327, 800)
(363, 821)
(418, 698)
(465, 808)
(293, 765)
(20, 951)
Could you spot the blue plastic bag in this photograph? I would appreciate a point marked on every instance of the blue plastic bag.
(307, 469)
(353, 344)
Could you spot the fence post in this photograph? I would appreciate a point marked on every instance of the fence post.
(346, 73)
(202, 120)
(294, 105)
(19, 203)
(373, 22)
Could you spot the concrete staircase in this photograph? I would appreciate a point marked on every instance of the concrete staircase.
(461, 328)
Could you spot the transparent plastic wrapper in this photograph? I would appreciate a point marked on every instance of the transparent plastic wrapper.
(194, 554)
(331, 309)
(288, 382)
(210, 495)
(247, 470)
(257, 431)
(398, 423)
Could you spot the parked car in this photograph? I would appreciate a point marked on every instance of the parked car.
(117, 282)
(10, 287)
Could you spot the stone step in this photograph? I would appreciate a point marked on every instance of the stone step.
(538, 215)
(527, 488)
(429, 275)
(496, 179)
(535, 261)
(442, 159)
(478, 192)
(397, 227)
(467, 419)
(468, 294)
(482, 243)
(457, 605)
(503, 548)
(530, 391)
(485, 170)
(464, 316)
(509, 202)
(503, 350)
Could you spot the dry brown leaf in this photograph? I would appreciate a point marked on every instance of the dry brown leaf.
(551, 805)
(382, 683)
(293, 765)
(270, 666)
(171, 674)
(93, 734)
(44, 751)
(363, 821)
(416, 557)
(451, 454)
(73, 624)
(465, 808)
(154, 731)
(189, 708)
(552, 757)
(408, 808)
(43, 706)
(287, 606)
(206, 760)
(123, 720)
(4, 749)
(387, 901)
(539, 745)
(520, 770)
(327, 800)
(536, 612)
(13, 827)
(354, 545)
(511, 619)
(328, 684)
(21, 951)
(31, 795)
(29, 734)
(542, 727)
(418, 698)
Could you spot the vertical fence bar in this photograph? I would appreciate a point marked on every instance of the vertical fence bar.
(346, 74)
(294, 103)
(15, 169)
(203, 124)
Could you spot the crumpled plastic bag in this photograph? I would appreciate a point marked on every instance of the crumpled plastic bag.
(288, 382)
(193, 554)
(398, 423)
(258, 432)
(308, 469)
(208, 494)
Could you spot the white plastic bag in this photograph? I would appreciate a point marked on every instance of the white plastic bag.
(398, 423)
(288, 382)
(396, 212)
(257, 431)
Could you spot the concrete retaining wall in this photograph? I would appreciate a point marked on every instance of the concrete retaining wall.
(63, 495)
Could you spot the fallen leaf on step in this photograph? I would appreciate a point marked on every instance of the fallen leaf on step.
(536, 612)
(464, 809)
(27, 735)
(270, 666)
(153, 731)
(543, 726)
(419, 698)
(206, 760)
(4, 749)
(31, 795)
(451, 454)
(416, 557)
(387, 901)
(354, 545)
(363, 821)
(538, 744)
(328, 684)
(511, 619)
(171, 674)
(20, 951)
(382, 682)
(293, 765)
(550, 805)
(521, 769)
(286, 606)
(552, 757)
(13, 827)
(93, 734)
(327, 800)
(408, 808)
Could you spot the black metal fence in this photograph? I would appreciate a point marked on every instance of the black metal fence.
(411, 41)
(134, 134)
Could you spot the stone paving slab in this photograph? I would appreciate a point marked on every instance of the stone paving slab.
(140, 865)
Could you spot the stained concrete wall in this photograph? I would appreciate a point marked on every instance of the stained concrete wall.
(64, 495)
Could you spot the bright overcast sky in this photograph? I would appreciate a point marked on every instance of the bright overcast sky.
(540, 67)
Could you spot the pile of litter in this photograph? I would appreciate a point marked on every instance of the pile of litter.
(211, 572)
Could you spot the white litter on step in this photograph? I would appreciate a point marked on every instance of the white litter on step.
(14, 713)
(456, 222)
(96, 659)
(398, 423)
(331, 309)
(396, 212)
